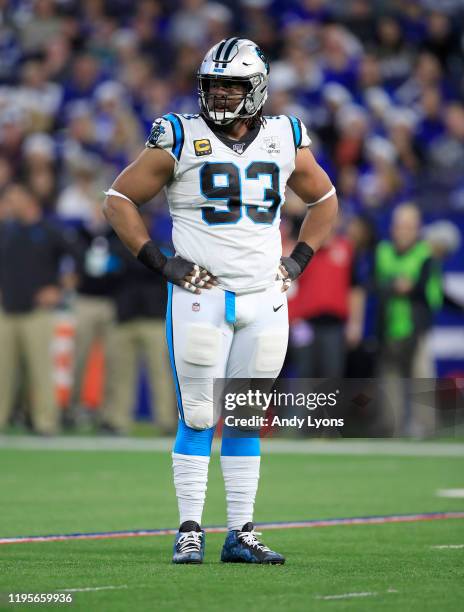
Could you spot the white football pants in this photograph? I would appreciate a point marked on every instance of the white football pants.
(220, 335)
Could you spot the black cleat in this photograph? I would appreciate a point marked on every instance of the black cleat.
(189, 545)
(244, 547)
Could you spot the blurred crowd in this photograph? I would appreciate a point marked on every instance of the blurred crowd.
(378, 83)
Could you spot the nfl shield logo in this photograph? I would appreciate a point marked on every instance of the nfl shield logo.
(238, 147)
(196, 306)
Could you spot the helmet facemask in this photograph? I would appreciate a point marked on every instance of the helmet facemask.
(223, 109)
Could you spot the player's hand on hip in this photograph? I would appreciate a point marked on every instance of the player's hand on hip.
(187, 275)
(176, 270)
(291, 267)
(289, 270)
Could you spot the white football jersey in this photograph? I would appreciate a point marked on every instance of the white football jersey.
(225, 195)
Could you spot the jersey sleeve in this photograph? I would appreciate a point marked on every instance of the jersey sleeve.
(300, 134)
(167, 133)
(305, 139)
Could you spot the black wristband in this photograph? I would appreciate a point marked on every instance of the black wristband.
(151, 256)
(302, 254)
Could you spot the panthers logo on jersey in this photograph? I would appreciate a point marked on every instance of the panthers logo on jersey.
(156, 132)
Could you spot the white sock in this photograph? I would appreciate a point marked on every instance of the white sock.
(190, 479)
(241, 475)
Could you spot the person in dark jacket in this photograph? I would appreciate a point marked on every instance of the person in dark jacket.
(31, 250)
(97, 272)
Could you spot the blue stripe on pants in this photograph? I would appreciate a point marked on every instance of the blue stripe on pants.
(230, 306)
(170, 341)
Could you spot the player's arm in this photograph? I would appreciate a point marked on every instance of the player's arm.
(142, 180)
(311, 183)
(137, 184)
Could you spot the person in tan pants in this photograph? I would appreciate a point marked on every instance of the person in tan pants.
(28, 337)
(139, 337)
(136, 341)
(30, 253)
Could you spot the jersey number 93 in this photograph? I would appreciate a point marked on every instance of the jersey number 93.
(231, 192)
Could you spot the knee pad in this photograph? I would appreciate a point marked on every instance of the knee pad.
(199, 414)
(271, 348)
(202, 344)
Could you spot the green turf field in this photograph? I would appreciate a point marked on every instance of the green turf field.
(45, 492)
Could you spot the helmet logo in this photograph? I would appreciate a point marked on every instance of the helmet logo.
(262, 57)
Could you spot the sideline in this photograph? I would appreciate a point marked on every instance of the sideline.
(395, 448)
(361, 520)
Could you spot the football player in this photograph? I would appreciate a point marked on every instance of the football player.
(225, 171)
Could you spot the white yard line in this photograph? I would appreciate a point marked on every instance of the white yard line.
(352, 595)
(85, 589)
(454, 493)
(347, 595)
(394, 448)
(440, 546)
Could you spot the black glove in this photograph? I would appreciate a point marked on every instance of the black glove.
(175, 270)
(298, 260)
